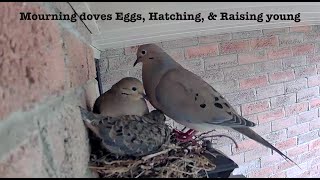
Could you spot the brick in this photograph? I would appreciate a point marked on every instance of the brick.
(65, 137)
(241, 97)
(79, 55)
(311, 37)
(224, 87)
(221, 61)
(294, 62)
(313, 81)
(317, 48)
(238, 72)
(271, 115)
(256, 81)
(298, 129)
(314, 103)
(315, 144)
(300, 29)
(255, 107)
(295, 151)
(263, 128)
(264, 42)
(276, 136)
(110, 78)
(271, 160)
(32, 61)
(313, 59)
(279, 175)
(246, 34)
(307, 116)
(316, 28)
(238, 158)
(285, 165)
(256, 153)
(176, 54)
(193, 66)
(78, 26)
(210, 76)
(234, 47)
(91, 89)
(314, 124)
(244, 146)
(268, 67)
(131, 50)
(281, 76)
(303, 49)
(286, 144)
(296, 108)
(283, 100)
(253, 118)
(225, 149)
(214, 38)
(26, 161)
(279, 53)
(185, 42)
(305, 71)
(270, 91)
(261, 173)
(290, 39)
(121, 62)
(275, 31)
(113, 52)
(252, 57)
(296, 85)
(308, 136)
(136, 73)
(201, 51)
(294, 171)
(222, 141)
(307, 94)
(283, 123)
(248, 167)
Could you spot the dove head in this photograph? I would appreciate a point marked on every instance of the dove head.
(130, 87)
(146, 53)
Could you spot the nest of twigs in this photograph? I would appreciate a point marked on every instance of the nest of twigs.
(176, 160)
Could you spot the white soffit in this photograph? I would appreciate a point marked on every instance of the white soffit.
(115, 34)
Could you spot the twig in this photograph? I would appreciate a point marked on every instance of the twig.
(140, 174)
(158, 153)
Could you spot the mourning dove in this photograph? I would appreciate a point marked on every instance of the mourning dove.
(187, 98)
(130, 134)
(126, 97)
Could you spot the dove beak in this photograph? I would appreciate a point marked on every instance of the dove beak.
(136, 62)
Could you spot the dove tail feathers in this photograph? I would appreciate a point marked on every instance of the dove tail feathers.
(254, 136)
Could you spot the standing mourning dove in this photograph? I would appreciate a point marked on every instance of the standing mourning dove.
(187, 98)
(126, 97)
(130, 134)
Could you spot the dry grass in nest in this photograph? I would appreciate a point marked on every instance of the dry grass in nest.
(176, 160)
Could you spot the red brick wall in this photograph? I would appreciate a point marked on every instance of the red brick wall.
(46, 71)
(270, 76)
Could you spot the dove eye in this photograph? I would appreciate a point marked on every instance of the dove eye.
(134, 89)
(143, 52)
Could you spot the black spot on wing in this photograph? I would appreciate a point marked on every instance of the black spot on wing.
(216, 98)
(226, 105)
(218, 105)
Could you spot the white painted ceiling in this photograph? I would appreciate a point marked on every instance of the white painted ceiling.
(113, 34)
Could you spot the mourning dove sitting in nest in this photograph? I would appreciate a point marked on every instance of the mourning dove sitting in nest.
(187, 98)
(129, 134)
(126, 97)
